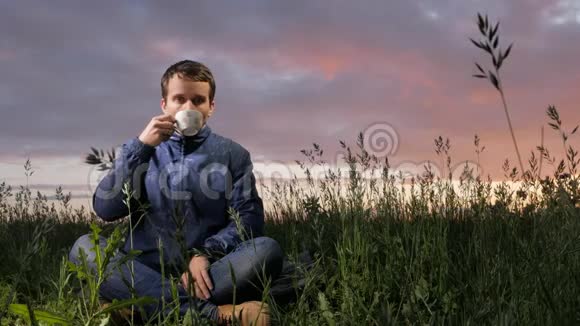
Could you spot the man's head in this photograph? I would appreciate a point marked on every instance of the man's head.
(188, 85)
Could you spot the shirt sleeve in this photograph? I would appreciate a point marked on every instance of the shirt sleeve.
(131, 166)
(247, 203)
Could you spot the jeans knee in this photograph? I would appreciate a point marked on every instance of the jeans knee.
(270, 252)
(83, 242)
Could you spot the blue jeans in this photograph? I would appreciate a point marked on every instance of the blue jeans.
(250, 260)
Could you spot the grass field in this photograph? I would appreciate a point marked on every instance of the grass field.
(472, 254)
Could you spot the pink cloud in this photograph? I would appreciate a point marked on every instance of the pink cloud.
(7, 54)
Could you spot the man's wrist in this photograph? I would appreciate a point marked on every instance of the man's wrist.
(195, 252)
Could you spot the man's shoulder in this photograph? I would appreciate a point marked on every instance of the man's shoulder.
(227, 144)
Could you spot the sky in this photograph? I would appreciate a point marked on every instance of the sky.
(289, 73)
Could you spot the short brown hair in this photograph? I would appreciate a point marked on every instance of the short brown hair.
(190, 70)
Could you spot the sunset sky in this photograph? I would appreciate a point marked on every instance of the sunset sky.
(288, 73)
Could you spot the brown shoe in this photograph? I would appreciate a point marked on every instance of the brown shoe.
(248, 313)
(121, 316)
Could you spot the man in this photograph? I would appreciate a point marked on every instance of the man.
(187, 184)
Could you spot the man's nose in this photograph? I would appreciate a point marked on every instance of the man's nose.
(189, 105)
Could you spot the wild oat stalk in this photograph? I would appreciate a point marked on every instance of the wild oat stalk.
(28, 171)
(97, 157)
(490, 45)
(556, 124)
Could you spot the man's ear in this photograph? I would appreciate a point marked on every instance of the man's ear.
(211, 108)
(162, 104)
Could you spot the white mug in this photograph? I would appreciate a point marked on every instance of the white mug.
(188, 122)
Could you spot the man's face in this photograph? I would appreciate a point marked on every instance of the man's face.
(183, 94)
